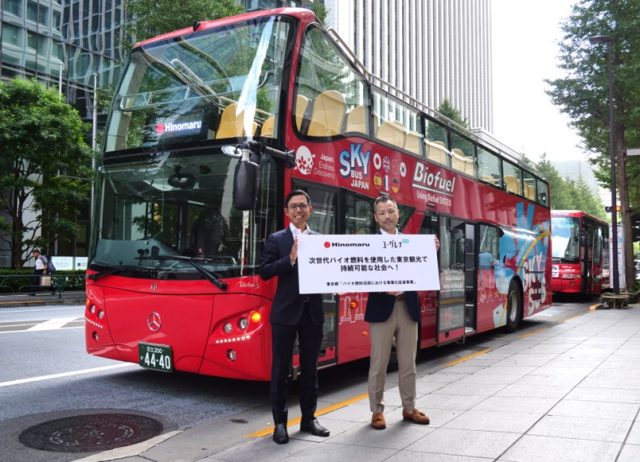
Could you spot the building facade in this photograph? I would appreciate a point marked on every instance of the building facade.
(429, 49)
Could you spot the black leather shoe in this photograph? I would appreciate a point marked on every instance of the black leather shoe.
(313, 427)
(280, 434)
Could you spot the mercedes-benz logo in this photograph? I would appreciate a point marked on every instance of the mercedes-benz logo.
(154, 322)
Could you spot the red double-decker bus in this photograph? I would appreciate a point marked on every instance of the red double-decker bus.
(580, 249)
(210, 128)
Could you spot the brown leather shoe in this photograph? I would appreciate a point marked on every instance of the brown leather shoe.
(415, 416)
(377, 421)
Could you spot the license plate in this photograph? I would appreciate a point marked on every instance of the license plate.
(157, 357)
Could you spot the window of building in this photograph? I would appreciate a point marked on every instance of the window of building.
(43, 15)
(32, 11)
(13, 7)
(12, 35)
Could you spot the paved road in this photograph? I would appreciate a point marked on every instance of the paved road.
(46, 373)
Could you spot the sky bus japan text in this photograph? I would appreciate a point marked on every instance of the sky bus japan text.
(211, 126)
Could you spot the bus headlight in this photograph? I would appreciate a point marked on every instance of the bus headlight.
(227, 328)
(243, 323)
(232, 355)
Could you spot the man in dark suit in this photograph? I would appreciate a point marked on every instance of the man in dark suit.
(293, 315)
(392, 314)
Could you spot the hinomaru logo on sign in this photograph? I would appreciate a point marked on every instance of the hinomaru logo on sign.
(328, 244)
(178, 128)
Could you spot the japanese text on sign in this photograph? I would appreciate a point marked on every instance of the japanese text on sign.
(367, 263)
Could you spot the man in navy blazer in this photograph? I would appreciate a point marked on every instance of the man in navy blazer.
(392, 314)
(293, 315)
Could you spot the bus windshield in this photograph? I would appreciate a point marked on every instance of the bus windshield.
(212, 84)
(160, 216)
(565, 239)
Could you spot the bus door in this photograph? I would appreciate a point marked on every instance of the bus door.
(470, 306)
(429, 306)
(323, 220)
(451, 312)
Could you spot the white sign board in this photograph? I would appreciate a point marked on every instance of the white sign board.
(367, 263)
(69, 263)
(633, 152)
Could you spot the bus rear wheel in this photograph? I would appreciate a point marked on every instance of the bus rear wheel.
(514, 307)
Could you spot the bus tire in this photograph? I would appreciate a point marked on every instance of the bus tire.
(514, 307)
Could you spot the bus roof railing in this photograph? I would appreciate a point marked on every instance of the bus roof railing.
(477, 134)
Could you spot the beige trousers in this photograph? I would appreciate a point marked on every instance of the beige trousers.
(405, 330)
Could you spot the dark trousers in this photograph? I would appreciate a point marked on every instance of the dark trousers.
(282, 341)
(36, 278)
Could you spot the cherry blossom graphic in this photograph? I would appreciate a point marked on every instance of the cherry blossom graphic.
(304, 160)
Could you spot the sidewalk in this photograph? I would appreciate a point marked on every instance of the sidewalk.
(72, 297)
(570, 392)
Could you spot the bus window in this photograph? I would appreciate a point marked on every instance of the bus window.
(512, 178)
(358, 213)
(489, 169)
(489, 249)
(398, 125)
(323, 218)
(176, 91)
(332, 88)
(436, 143)
(543, 192)
(462, 154)
(529, 183)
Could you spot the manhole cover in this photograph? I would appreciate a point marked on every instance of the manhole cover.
(90, 433)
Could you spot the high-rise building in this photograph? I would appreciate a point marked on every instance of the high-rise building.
(429, 49)
(63, 43)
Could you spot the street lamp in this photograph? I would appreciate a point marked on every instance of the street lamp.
(597, 39)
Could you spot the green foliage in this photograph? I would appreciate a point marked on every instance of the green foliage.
(583, 93)
(45, 166)
(448, 110)
(321, 12)
(154, 17)
(569, 194)
(22, 280)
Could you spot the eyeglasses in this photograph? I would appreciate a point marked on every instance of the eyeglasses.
(301, 206)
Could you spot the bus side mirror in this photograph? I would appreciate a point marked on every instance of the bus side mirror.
(245, 183)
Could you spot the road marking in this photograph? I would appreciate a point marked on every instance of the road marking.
(64, 374)
(52, 324)
(325, 410)
(532, 333)
(468, 357)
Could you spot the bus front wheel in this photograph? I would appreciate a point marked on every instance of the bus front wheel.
(514, 307)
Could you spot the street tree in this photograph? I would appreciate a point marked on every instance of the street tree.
(583, 93)
(567, 194)
(153, 17)
(45, 167)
